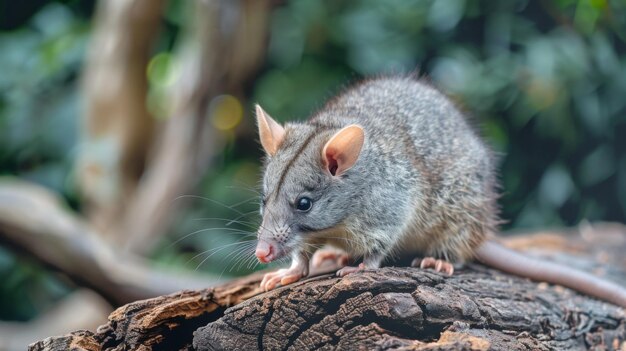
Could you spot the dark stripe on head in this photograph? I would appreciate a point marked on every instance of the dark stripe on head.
(319, 126)
(292, 161)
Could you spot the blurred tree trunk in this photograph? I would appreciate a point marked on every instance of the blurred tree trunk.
(223, 46)
(131, 178)
(117, 128)
(128, 174)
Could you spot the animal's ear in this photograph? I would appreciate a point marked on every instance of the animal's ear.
(343, 149)
(271, 132)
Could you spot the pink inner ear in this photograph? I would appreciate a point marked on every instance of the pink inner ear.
(331, 162)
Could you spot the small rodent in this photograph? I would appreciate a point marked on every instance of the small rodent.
(390, 166)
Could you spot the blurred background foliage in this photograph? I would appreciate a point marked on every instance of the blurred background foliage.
(545, 82)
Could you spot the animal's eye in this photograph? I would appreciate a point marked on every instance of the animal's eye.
(304, 204)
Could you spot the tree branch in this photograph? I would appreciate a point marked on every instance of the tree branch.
(15, 336)
(33, 219)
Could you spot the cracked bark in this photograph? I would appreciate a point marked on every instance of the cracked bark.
(393, 308)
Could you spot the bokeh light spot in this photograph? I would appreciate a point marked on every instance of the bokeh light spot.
(542, 93)
(160, 70)
(226, 112)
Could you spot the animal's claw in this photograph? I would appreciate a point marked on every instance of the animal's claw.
(438, 265)
(282, 276)
(349, 270)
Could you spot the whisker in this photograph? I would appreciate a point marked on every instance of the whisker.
(245, 256)
(227, 230)
(244, 187)
(237, 254)
(207, 199)
(216, 250)
(244, 201)
(229, 221)
(219, 248)
(241, 216)
(251, 262)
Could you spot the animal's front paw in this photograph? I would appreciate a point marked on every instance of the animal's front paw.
(438, 265)
(283, 276)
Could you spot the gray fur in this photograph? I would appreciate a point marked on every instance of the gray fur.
(424, 181)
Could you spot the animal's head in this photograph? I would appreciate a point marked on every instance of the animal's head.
(307, 183)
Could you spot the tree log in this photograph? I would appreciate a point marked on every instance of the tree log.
(392, 308)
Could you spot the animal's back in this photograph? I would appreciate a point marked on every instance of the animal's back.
(408, 122)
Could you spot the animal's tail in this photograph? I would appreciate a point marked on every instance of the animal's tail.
(506, 260)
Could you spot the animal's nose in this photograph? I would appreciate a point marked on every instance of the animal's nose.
(264, 251)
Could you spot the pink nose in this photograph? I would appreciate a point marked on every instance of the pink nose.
(264, 251)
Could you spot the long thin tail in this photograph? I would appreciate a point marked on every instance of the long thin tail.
(506, 260)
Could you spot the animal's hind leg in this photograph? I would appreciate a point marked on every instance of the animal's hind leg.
(328, 253)
(370, 261)
(430, 262)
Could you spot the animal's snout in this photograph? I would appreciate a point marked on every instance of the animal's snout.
(265, 252)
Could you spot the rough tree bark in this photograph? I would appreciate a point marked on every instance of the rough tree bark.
(389, 308)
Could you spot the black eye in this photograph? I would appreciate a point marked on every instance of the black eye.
(304, 204)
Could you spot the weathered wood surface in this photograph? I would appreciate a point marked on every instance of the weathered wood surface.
(389, 309)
